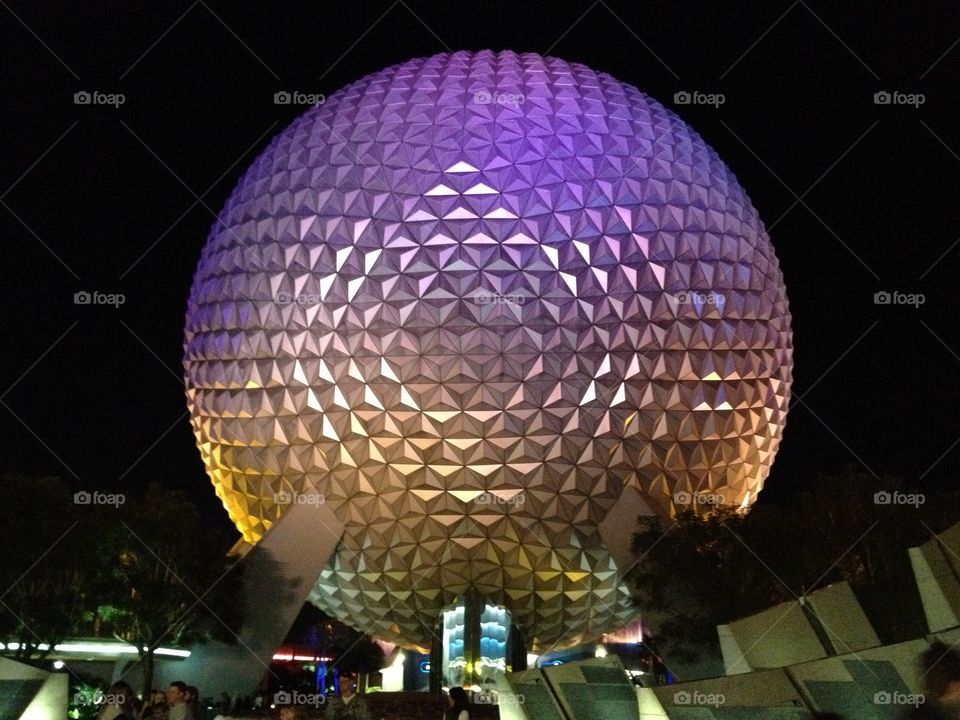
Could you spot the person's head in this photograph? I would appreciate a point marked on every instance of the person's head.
(457, 698)
(192, 694)
(158, 711)
(177, 692)
(939, 668)
(121, 695)
(291, 712)
(347, 683)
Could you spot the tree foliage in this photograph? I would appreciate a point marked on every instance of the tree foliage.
(45, 578)
(165, 577)
(146, 570)
(701, 571)
(354, 651)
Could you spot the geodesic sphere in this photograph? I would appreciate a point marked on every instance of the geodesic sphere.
(468, 301)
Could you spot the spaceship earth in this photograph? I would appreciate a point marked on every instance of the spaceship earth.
(466, 302)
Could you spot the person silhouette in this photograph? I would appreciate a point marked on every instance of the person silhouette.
(458, 705)
(940, 674)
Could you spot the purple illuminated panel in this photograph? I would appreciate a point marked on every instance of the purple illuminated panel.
(465, 303)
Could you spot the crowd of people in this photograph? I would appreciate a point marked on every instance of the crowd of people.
(939, 668)
(182, 702)
(179, 702)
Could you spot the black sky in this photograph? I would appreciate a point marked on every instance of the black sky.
(93, 393)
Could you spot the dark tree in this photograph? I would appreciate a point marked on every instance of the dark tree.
(166, 577)
(47, 573)
(695, 574)
(352, 651)
(701, 571)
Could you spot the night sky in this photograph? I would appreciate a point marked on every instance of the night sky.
(859, 197)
